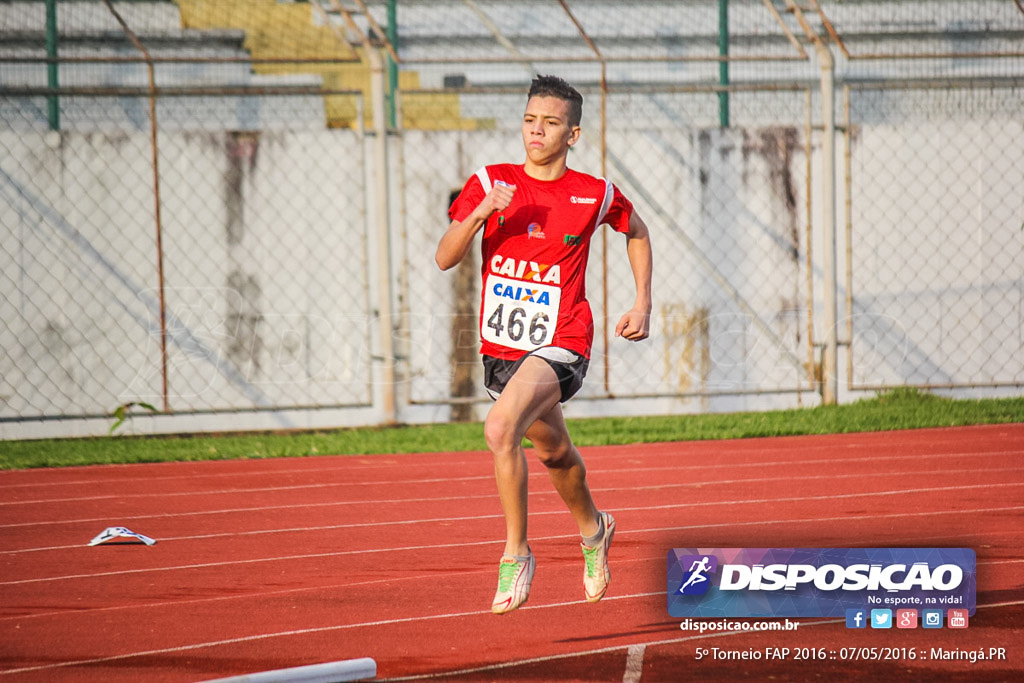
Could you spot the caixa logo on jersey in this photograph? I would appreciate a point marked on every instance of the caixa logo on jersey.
(817, 582)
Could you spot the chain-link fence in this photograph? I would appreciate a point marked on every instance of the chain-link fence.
(224, 212)
(935, 294)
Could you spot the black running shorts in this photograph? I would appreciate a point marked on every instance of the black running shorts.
(569, 367)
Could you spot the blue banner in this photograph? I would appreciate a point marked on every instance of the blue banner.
(818, 582)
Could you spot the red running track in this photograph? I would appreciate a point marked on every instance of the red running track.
(269, 564)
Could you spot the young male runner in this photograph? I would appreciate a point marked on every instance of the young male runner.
(536, 327)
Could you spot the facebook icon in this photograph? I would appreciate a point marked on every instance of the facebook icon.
(856, 618)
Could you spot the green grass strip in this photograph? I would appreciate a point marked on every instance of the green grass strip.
(899, 409)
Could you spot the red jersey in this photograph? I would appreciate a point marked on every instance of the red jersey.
(535, 256)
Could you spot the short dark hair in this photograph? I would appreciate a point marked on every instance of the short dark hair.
(553, 86)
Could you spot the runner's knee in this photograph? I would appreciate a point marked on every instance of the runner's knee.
(499, 432)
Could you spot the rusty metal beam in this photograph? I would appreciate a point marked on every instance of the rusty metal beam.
(495, 30)
(154, 149)
(381, 33)
(830, 28)
(785, 29)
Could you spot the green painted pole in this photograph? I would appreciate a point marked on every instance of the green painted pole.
(52, 102)
(723, 64)
(392, 31)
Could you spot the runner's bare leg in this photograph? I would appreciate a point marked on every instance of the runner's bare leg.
(531, 393)
(568, 474)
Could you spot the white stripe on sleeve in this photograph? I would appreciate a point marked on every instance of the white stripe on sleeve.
(485, 180)
(609, 193)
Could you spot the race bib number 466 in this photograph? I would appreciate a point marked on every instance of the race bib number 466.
(519, 315)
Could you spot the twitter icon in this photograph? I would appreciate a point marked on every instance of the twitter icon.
(881, 618)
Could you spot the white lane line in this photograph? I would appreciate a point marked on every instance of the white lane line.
(246, 468)
(449, 674)
(611, 489)
(304, 631)
(474, 518)
(571, 655)
(348, 462)
(634, 663)
(246, 491)
(388, 622)
(391, 580)
(813, 520)
(614, 648)
(684, 484)
(831, 462)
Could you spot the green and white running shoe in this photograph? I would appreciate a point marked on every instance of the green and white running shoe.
(596, 572)
(514, 579)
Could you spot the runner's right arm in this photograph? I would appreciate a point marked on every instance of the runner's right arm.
(457, 240)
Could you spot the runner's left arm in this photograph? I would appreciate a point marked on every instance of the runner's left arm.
(635, 324)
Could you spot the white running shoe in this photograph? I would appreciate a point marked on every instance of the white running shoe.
(596, 572)
(514, 579)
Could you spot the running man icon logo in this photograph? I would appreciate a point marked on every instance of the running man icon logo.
(695, 580)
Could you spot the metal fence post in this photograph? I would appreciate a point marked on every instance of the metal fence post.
(52, 67)
(723, 64)
(829, 369)
(827, 64)
(379, 93)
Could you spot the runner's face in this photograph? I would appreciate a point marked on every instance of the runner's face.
(547, 135)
